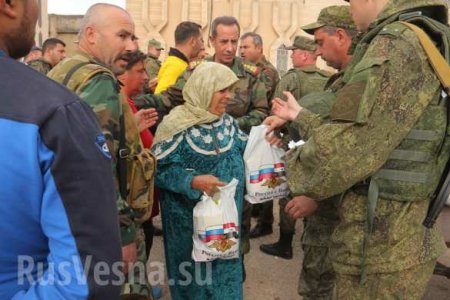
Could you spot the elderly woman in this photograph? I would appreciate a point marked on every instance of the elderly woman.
(199, 148)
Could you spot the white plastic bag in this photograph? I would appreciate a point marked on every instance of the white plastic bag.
(265, 175)
(216, 226)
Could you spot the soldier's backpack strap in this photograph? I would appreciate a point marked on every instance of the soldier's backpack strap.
(122, 163)
(72, 71)
(437, 61)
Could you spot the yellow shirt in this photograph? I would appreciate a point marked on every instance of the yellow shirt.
(171, 68)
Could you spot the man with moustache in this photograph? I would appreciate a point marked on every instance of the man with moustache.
(106, 39)
(57, 192)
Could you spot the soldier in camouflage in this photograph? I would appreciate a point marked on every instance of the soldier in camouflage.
(152, 62)
(333, 34)
(251, 49)
(91, 73)
(385, 150)
(53, 51)
(301, 80)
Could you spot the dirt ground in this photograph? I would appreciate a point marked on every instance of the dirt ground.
(272, 278)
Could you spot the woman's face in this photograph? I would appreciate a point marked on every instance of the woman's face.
(219, 102)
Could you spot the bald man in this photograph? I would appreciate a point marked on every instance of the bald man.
(106, 39)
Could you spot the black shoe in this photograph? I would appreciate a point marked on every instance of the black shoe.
(277, 250)
(442, 270)
(157, 231)
(260, 230)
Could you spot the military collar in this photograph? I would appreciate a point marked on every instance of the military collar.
(177, 53)
(90, 58)
(236, 66)
(309, 68)
(45, 61)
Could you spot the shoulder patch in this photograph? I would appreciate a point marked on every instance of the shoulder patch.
(252, 69)
(100, 142)
(393, 29)
(195, 63)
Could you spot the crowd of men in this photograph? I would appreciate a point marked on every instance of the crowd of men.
(374, 131)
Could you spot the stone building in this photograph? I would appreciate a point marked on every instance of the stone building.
(277, 21)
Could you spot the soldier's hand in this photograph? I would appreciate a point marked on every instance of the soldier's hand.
(273, 123)
(301, 206)
(129, 256)
(206, 183)
(287, 110)
(146, 118)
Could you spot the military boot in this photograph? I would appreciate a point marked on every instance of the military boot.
(282, 248)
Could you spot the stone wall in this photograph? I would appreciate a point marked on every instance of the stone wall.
(42, 23)
(277, 21)
(65, 28)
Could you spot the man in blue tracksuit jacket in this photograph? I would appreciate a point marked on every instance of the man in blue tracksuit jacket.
(59, 234)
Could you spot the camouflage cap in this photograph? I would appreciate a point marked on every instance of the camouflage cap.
(335, 16)
(304, 43)
(156, 44)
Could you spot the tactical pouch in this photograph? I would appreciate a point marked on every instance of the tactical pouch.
(142, 168)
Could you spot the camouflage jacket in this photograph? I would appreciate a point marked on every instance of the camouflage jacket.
(301, 82)
(319, 226)
(269, 76)
(98, 87)
(249, 104)
(389, 87)
(152, 66)
(40, 65)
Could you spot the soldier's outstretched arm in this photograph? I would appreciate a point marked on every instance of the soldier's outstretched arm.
(373, 113)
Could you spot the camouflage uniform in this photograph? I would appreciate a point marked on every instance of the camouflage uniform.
(97, 86)
(40, 65)
(300, 82)
(271, 76)
(152, 66)
(384, 149)
(151, 63)
(317, 278)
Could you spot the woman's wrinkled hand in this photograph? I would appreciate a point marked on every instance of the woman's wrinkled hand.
(207, 184)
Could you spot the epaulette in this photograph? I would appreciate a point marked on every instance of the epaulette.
(252, 69)
(195, 63)
(393, 29)
(325, 73)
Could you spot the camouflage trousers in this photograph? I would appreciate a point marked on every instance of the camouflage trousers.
(408, 284)
(287, 223)
(138, 280)
(317, 278)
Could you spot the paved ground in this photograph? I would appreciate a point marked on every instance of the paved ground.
(272, 278)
